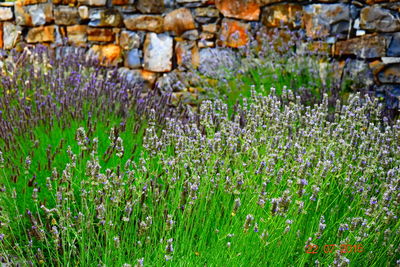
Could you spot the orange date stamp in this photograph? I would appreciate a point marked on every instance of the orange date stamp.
(343, 248)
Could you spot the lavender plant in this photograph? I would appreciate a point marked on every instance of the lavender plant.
(40, 88)
(276, 58)
(255, 188)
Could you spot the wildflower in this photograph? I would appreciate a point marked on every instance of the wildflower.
(140, 262)
(169, 222)
(236, 207)
(255, 229)
(81, 138)
(1, 160)
(116, 241)
(119, 147)
(247, 224)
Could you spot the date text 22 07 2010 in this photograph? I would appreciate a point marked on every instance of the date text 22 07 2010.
(344, 248)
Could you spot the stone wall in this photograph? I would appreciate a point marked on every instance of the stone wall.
(150, 37)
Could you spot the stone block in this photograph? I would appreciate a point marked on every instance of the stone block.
(105, 18)
(83, 12)
(206, 12)
(129, 40)
(100, 35)
(35, 15)
(151, 6)
(41, 34)
(366, 46)
(322, 20)
(11, 35)
(377, 19)
(187, 54)
(66, 15)
(179, 21)
(283, 15)
(65, 2)
(158, 52)
(390, 73)
(239, 9)
(234, 33)
(133, 59)
(77, 34)
(93, 2)
(6, 13)
(151, 23)
(394, 46)
(30, 2)
(212, 28)
(109, 55)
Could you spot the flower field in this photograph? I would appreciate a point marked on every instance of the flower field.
(94, 171)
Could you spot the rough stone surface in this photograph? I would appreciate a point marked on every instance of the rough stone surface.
(31, 2)
(105, 18)
(375, 18)
(366, 46)
(180, 32)
(151, 6)
(6, 13)
(179, 21)
(64, 2)
(234, 33)
(239, 9)
(1, 35)
(129, 40)
(109, 55)
(149, 77)
(212, 28)
(93, 2)
(191, 35)
(41, 34)
(65, 15)
(34, 15)
(83, 12)
(11, 34)
(282, 15)
(206, 36)
(322, 20)
(187, 54)
(158, 52)
(390, 74)
(268, 2)
(152, 23)
(122, 2)
(133, 59)
(394, 46)
(100, 35)
(206, 12)
(205, 44)
(77, 34)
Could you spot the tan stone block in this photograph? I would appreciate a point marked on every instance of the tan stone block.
(100, 35)
(179, 21)
(41, 34)
(282, 15)
(151, 23)
(77, 34)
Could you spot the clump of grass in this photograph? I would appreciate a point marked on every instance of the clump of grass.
(255, 188)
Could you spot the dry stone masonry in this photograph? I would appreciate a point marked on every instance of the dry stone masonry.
(146, 38)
